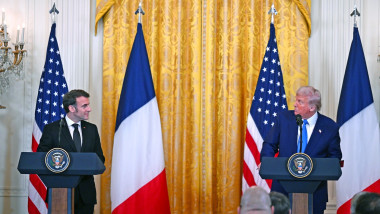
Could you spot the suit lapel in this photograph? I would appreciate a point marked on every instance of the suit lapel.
(315, 136)
(293, 135)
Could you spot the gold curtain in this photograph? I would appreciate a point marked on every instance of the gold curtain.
(205, 58)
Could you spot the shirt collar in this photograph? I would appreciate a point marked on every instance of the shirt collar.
(70, 122)
(313, 119)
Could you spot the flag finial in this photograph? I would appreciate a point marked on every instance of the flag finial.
(53, 11)
(272, 11)
(140, 11)
(355, 13)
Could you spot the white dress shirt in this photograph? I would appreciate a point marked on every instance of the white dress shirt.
(71, 128)
(310, 126)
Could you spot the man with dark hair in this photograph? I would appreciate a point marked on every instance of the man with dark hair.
(76, 135)
(321, 138)
(365, 203)
(280, 203)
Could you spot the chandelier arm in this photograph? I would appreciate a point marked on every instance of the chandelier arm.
(21, 54)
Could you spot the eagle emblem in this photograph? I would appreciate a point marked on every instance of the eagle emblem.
(300, 165)
(57, 160)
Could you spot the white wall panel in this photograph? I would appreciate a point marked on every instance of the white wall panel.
(329, 45)
(74, 38)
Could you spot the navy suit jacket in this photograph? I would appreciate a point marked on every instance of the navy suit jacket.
(323, 143)
(90, 143)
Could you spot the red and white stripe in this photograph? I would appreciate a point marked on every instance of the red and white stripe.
(360, 144)
(252, 148)
(138, 178)
(37, 189)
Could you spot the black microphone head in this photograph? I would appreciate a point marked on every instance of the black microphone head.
(62, 122)
(299, 119)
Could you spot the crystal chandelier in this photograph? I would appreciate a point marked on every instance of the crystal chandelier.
(11, 61)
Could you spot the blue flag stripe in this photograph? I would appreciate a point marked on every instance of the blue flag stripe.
(356, 89)
(138, 86)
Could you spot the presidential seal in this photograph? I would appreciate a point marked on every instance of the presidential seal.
(300, 165)
(57, 160)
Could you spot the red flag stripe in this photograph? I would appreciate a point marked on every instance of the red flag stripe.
(143, 201)
(256, 154)
(345, 208)
(248, 176)
(38, 185)
(34, 144)
(32, 208)
(252, 146)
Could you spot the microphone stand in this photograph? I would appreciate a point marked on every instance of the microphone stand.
(299, 123)
(59, 132)
(300, 138)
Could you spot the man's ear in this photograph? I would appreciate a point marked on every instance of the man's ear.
(238, 209)
(72, 108)
(312, 108)
(272, 208)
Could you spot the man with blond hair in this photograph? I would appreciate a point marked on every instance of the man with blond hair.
(320, 138)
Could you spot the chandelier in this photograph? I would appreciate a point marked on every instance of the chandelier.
(11, 61)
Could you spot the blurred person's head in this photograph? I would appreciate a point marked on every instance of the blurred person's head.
(365, 203)
(255, 200)
(280, 203)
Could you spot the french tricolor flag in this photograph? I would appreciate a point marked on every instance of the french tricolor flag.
(359, 131)
(138, 178)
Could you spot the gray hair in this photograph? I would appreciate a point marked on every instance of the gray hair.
(313, 94)
(255, 199)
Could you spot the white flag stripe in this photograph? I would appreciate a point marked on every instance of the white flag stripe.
(252, 128)
(253, 167)
(37, 200)
(144, 139)
(359, 138)
(36, 132)
(244, 184)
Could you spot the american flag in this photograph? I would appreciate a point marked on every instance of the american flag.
(268, 101)
(49, 108)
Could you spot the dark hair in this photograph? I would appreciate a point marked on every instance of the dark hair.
(280, 202)
(367, 203)
(70, 98)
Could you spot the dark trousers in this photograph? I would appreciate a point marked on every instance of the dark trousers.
(80, 207)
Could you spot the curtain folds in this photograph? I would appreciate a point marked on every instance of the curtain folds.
(205, 57)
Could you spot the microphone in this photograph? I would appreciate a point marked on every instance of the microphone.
(299, 120)
(59, 132)
(299, 123)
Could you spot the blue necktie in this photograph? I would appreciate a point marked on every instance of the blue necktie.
(304, 137)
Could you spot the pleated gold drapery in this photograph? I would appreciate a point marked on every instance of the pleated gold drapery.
(205, 58)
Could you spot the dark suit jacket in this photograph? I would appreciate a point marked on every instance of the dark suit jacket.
(324, 143)
(90, 143)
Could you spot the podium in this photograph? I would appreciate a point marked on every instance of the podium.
(81, 163)
(300, 189)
